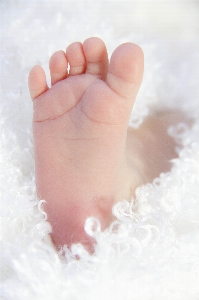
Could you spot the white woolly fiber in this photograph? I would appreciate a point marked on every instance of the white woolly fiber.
(151, 252)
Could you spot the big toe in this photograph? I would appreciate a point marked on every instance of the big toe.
(126, 70)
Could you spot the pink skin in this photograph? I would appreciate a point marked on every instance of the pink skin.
(84, 161)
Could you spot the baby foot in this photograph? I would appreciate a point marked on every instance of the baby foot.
(80, 128)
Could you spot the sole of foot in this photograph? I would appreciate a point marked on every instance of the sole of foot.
(80, 130)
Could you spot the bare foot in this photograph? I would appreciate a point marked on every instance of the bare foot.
(80, 129)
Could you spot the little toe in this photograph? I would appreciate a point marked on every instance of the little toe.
(96, 57)
(76, 59)
(126, 70)
(37, 82)
(58, 67)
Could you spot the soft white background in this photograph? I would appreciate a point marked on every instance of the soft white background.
(152, 251)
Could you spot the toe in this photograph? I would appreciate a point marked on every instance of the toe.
(96, 57)
(37, 82)
(76, 59)
(126, 70)
(58, 67)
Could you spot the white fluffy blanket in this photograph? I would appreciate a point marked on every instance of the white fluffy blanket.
(152, 250)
